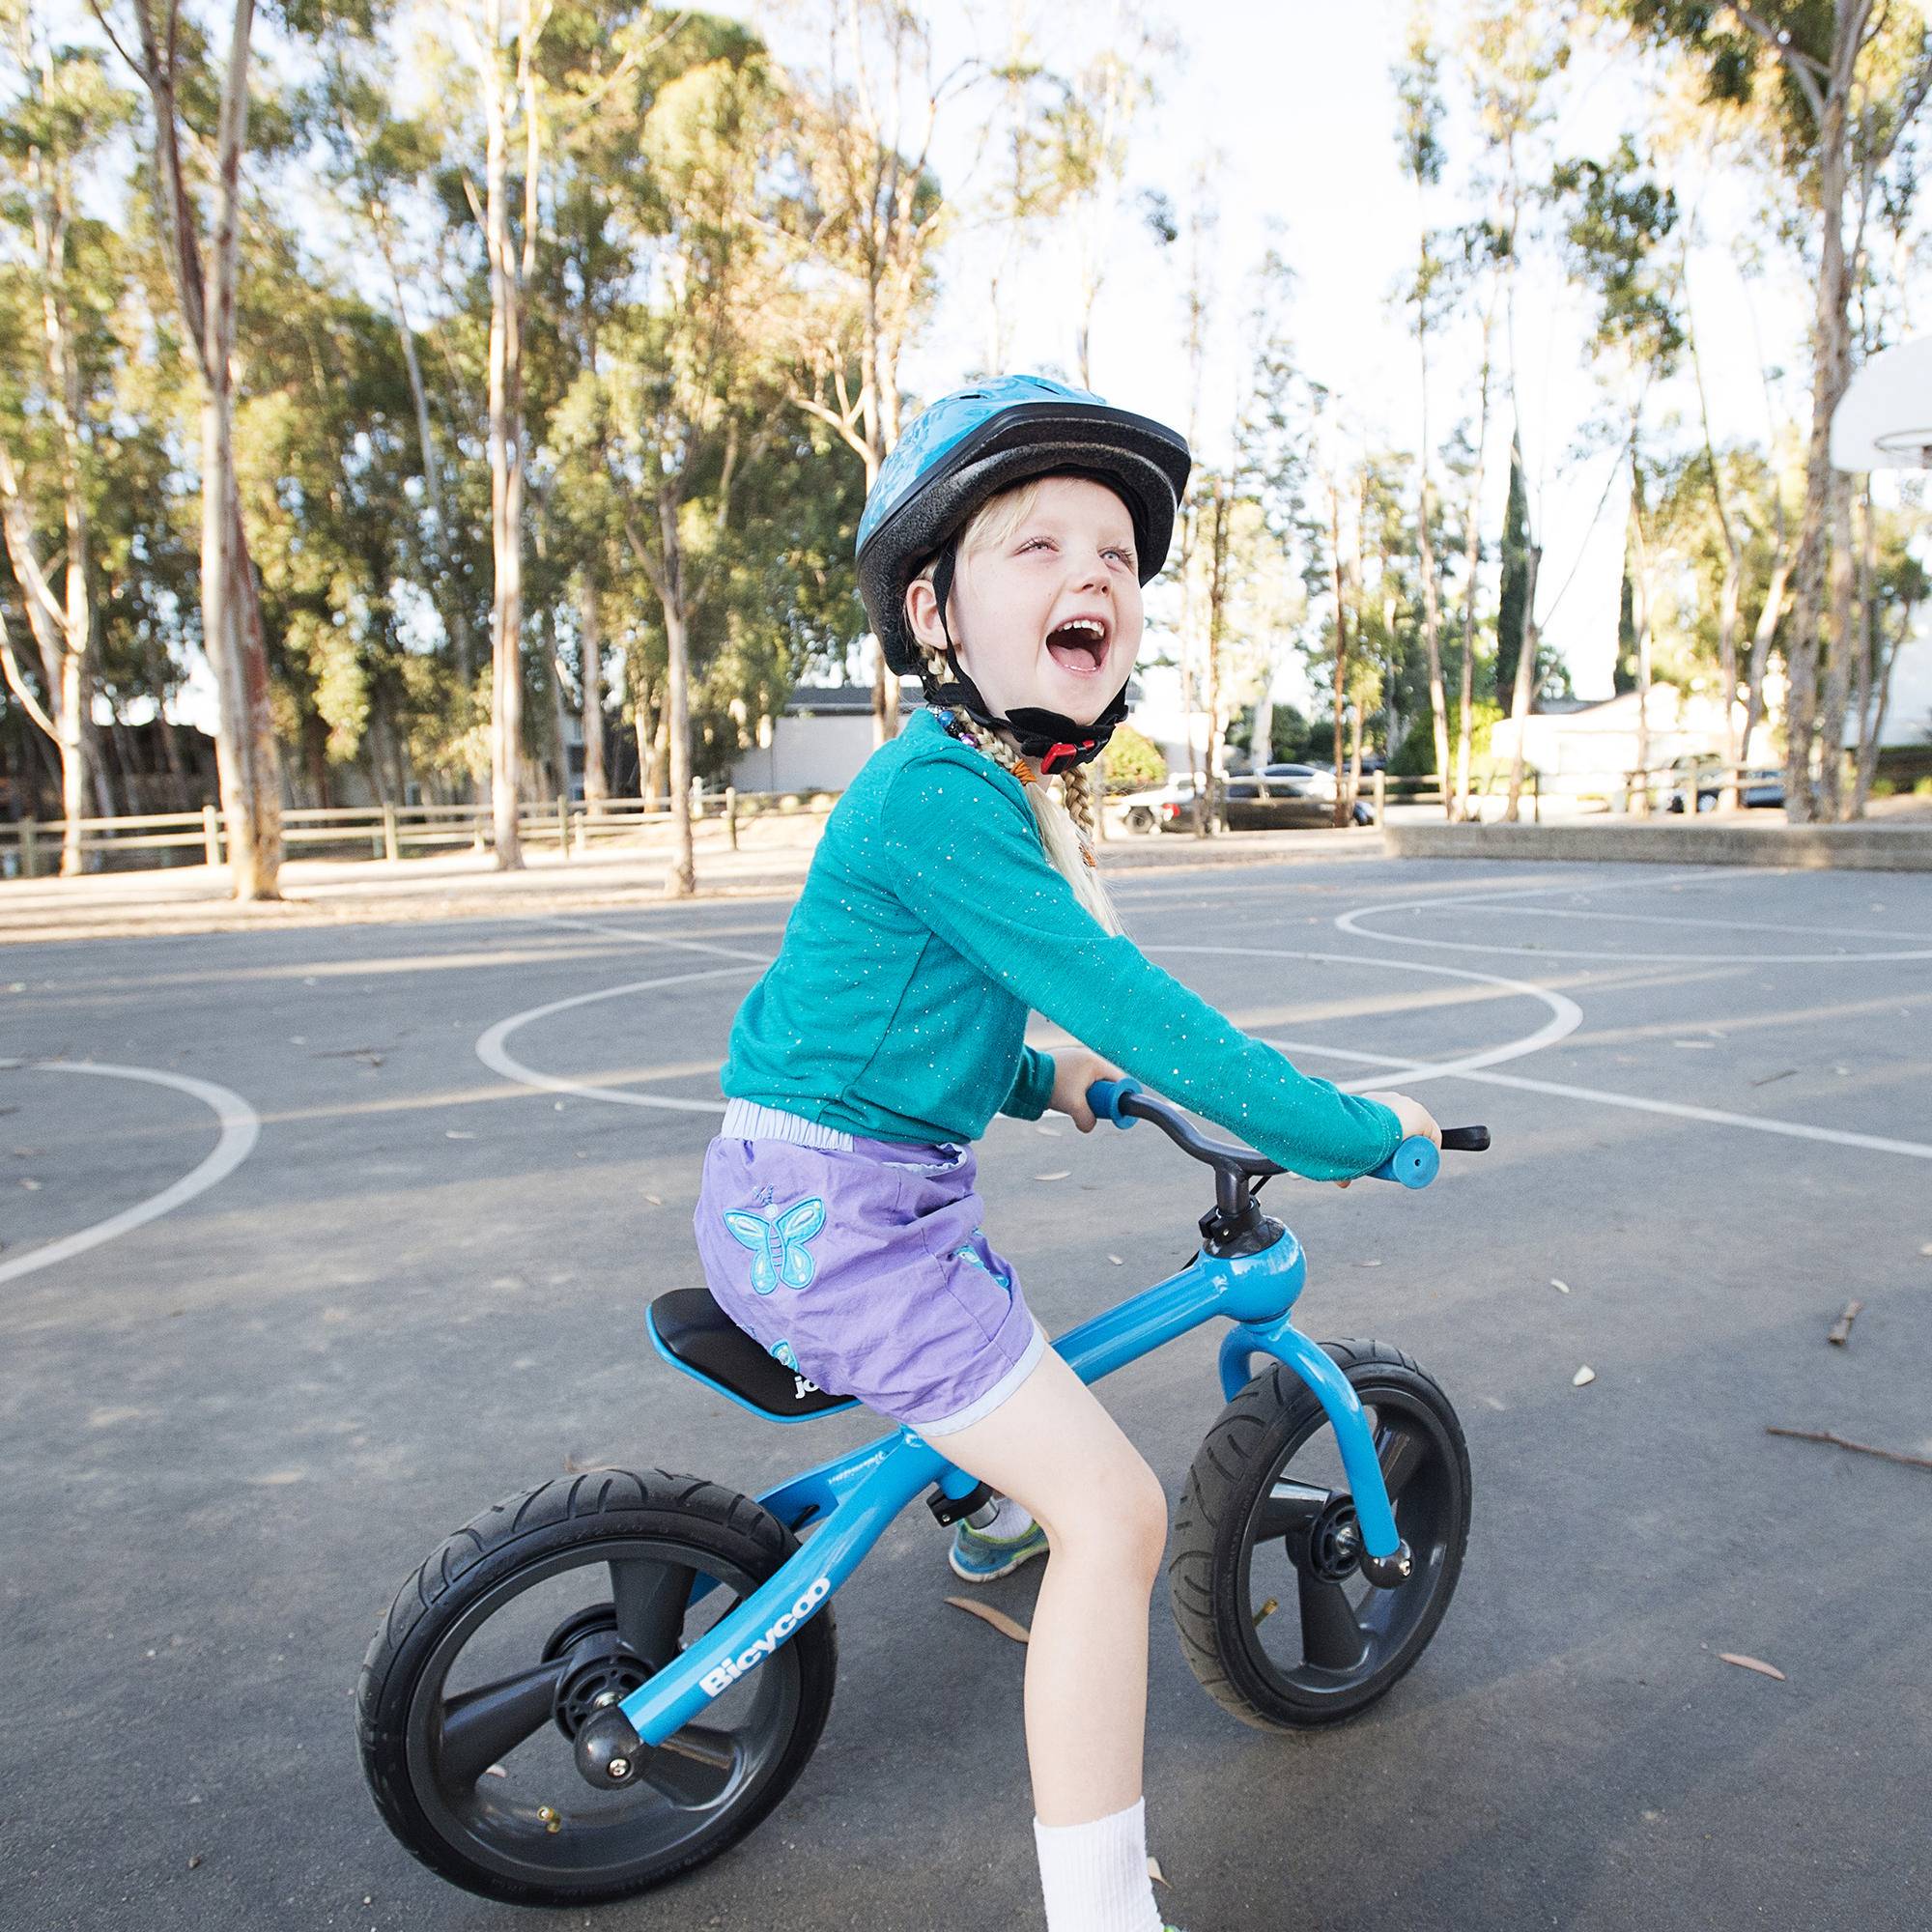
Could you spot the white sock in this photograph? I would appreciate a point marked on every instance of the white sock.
(1010, 1522)
(1095, 1877)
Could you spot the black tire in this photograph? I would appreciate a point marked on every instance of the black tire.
(1245, 1522)
(529, 1829)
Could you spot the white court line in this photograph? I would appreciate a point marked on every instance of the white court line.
(1566, 1015)
(1717, 925)
(492, 1052)
(1674, 1109)
(1350, 924)
(673, 940)
(241, 1127)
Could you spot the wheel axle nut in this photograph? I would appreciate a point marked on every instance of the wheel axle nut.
(1387, 1573)
(618, 1770)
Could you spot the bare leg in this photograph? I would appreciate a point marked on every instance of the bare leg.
(1052, 1446)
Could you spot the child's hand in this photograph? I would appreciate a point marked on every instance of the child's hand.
(1074, 1070)
(1416, 1118)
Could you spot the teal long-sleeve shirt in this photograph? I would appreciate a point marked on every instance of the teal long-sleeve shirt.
(931, 922)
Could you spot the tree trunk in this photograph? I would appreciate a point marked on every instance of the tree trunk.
(455, 616)
(230, 614)
(1762, 638)
(1521, 696)
(506, 458)
(591, 653)
(1829, 371)
(1638, 802)
(1472, 556)
(1844, 647)
(1341, 646)
(682, 879)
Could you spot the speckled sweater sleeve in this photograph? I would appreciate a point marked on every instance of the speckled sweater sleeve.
(967, 862)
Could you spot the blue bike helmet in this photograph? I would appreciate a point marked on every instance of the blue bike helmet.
(969, 447)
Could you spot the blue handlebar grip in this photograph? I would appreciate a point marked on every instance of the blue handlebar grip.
(1104, 1096)
(1414, 1163)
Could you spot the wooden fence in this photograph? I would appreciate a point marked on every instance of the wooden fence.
(31, 850)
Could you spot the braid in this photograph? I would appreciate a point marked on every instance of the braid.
(1077, 794)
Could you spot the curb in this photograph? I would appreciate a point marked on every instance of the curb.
(1862, 848)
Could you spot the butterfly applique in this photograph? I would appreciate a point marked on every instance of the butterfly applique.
(778, 1243)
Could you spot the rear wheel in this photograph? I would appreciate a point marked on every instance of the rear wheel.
(1275, 1617)
(535, 1616)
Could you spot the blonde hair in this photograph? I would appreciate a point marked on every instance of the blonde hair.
(1065, 806)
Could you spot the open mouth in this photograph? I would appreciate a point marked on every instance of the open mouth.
(1079, 645)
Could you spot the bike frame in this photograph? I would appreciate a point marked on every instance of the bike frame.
(854, 1496)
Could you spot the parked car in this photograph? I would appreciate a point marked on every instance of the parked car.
(1763, 785)
(1279, 799)
(1147, 810)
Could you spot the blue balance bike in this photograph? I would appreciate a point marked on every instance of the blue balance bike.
(611, 1678)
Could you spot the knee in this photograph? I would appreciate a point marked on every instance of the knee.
(1121, 1524)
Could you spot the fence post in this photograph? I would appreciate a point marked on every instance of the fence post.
(476, 828)
(731, 815)
(389, 844)
(1382, 798)
(30, 858)
(564, 826)
(1536, 798)
(211, 835)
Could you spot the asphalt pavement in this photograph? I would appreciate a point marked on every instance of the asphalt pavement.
(316, 1242)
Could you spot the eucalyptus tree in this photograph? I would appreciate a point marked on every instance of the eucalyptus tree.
(1481, 257)
(60, 282)
(685, 394)
(1837, 83)
(1419, 139)
(198, 206)
(1511, 56)
(866, 228)
(1615, 223)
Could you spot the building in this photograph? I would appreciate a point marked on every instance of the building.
(1584, 750)
(819, 740)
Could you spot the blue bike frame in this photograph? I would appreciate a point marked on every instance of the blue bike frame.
(854, 1496)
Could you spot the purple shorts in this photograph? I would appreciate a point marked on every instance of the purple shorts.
(868, 1272)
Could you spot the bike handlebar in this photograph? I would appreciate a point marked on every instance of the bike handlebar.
(1414, 1163)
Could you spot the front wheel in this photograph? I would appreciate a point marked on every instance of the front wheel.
(533, 1617)
(1275, 1617)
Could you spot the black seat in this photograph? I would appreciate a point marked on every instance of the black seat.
(705, 1342)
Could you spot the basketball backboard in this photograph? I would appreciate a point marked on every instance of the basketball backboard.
(1884, 419)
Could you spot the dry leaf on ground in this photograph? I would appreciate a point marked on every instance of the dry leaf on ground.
(1561, 1286)
(655, 1200)
(1756, 1663)
(1052, 1133)
(1583, 1377)
(1117, 1261)
(1154, 1871)
(987, 1613)
(455, 1134)
(1059, 1174)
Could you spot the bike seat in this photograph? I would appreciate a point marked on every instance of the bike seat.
(692, 1333)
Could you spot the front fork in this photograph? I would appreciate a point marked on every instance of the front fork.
(1386, 1560)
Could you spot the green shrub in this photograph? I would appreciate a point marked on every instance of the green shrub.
(1415, 757)
(1133, 762)
(1922, 788)
(1883, 788)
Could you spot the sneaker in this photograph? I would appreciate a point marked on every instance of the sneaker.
(979, 1560)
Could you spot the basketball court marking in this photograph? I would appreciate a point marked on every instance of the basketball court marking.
(240, 1129)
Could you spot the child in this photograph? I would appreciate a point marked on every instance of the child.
(1000, 557)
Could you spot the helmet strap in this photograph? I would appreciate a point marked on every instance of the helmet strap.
(1048, 740)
